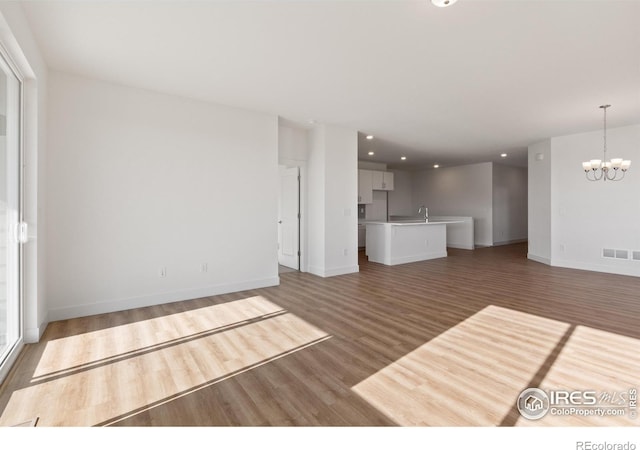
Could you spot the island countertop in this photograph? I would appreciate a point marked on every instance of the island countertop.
(435, 222)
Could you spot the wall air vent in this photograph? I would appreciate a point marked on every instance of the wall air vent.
(617, 254)
(622, 254)
(636, 256)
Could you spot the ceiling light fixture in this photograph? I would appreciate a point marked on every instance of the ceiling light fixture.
(443, 3)
(403, 158)
(503, 155)
(369, 137)
(601, 169)
(435, 166)
(371, 153)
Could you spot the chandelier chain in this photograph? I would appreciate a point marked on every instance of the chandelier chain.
(605, 131)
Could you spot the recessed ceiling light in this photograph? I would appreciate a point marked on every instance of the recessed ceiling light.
(443, 3)
(503, 155)
(435, 166)
(371, 153)
(403, 158)
(369, 136)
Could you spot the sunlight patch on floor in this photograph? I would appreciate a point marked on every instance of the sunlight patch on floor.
(129, 367)
(594, 360)
(469, 375)
(94, 347)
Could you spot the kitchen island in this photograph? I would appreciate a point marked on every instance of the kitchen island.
(394, 243)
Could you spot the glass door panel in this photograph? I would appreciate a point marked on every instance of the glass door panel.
(10, 310)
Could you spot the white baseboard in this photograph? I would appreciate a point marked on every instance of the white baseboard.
(628, 271)
(342, 271)
(33, 335)
(416, 258)
(461, 246)
(511, 241)
(71, 312)
(315, 270)
(325, 273)
(539, 259)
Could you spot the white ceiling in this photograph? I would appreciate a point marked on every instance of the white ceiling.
(448, 85)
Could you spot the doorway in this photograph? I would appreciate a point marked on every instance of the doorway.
(12, 230)
(289, 219)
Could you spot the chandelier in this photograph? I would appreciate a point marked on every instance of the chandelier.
(443, 3)
(613, 170)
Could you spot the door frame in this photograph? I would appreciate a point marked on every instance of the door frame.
(302, 209)
(12, 354)
(299, 211)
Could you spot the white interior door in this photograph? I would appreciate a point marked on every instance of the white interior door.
(288, 218)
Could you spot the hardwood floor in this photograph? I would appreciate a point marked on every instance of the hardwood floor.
(444, 342)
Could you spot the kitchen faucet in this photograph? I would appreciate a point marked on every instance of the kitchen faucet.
(426, 212)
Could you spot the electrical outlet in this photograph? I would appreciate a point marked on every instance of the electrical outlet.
(162, 273)
(204, 267)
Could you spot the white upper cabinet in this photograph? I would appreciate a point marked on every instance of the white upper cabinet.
(365, 186)
(382, 181)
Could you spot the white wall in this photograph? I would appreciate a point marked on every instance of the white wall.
(316, 201)
(18, 40)
(333, 193)
(589, 216)
(341, 186)
(140, 181)
(458, 191)
(370, 165)
(400, 199)
(292, 145)
(509, 204)
(539, 202)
